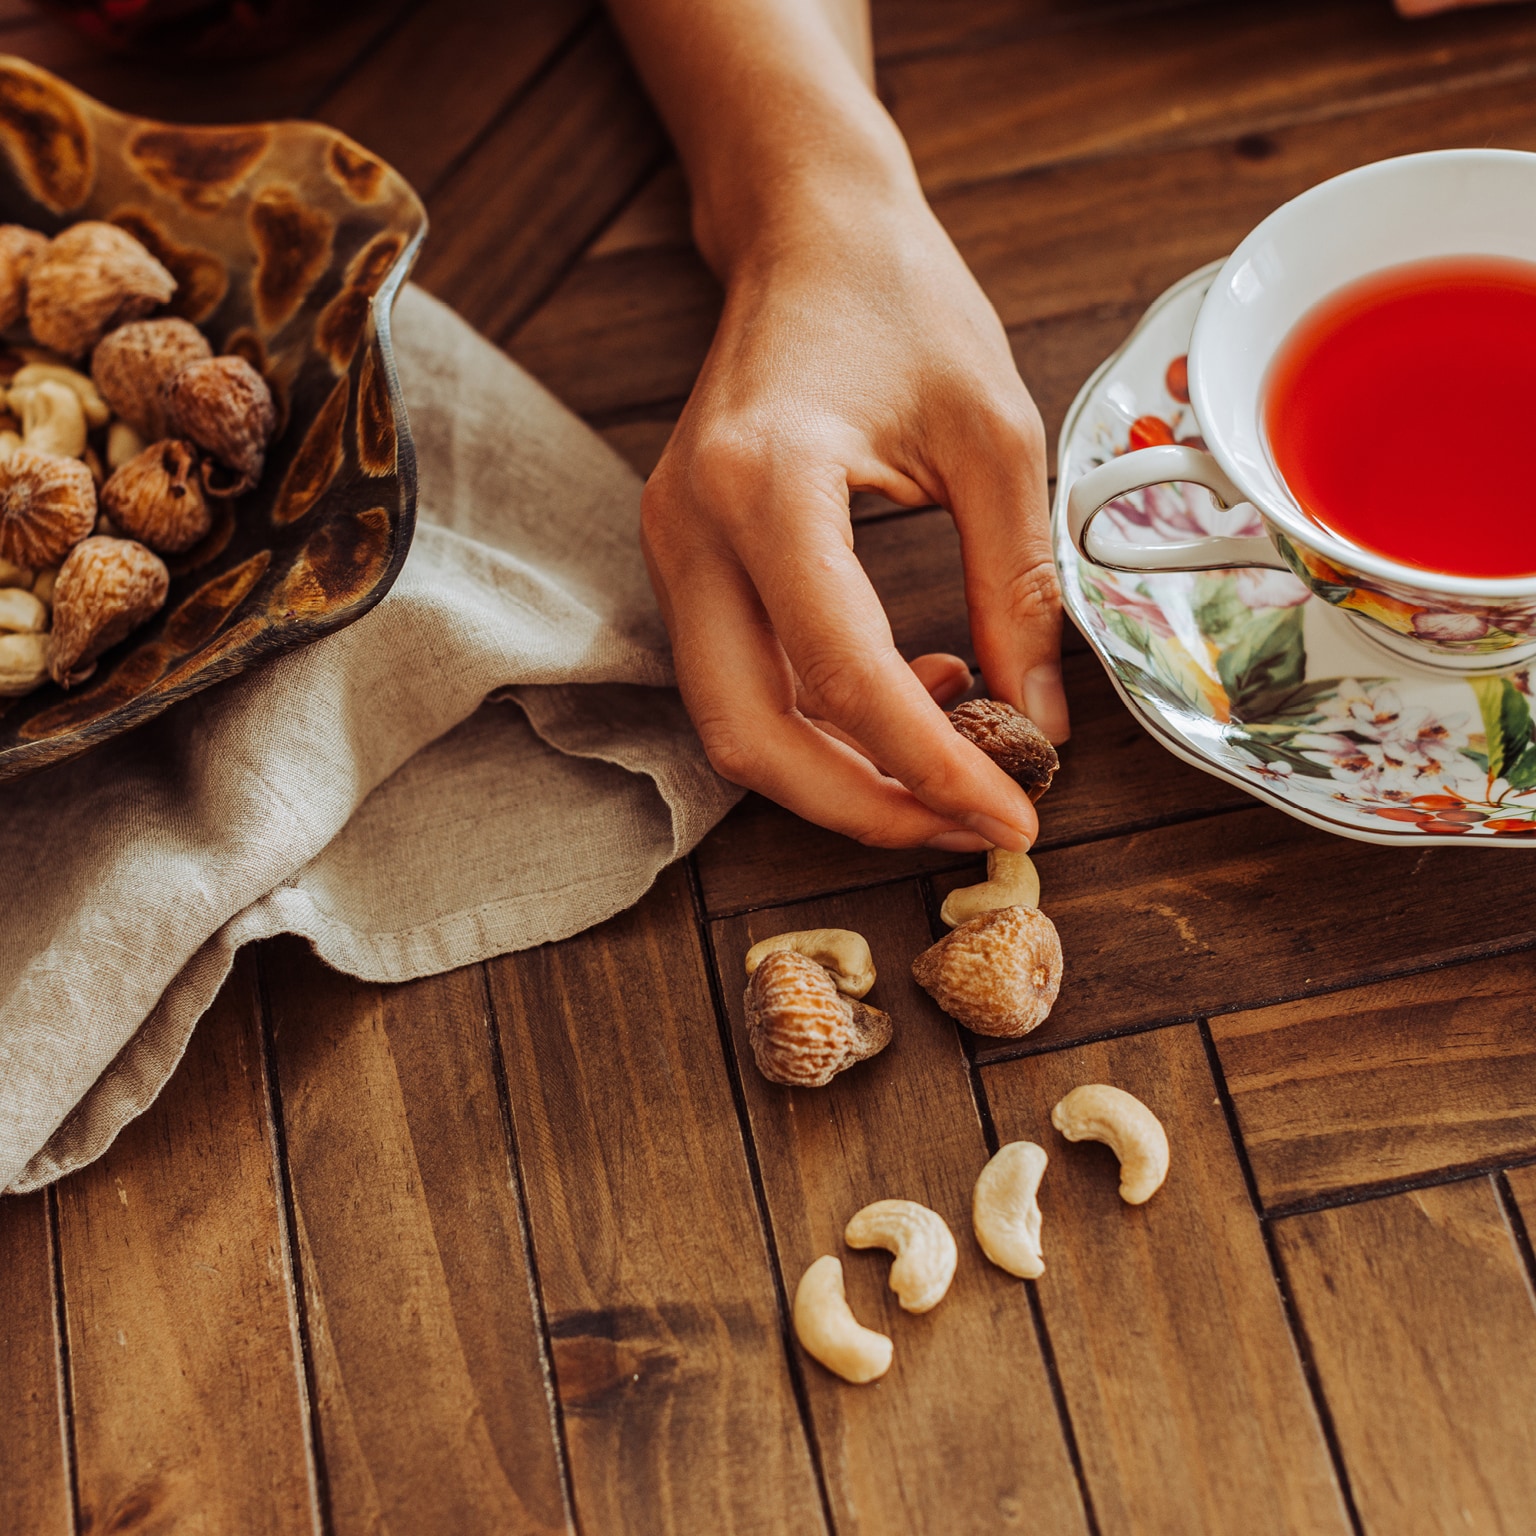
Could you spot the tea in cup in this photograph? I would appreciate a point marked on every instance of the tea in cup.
(1363, 369)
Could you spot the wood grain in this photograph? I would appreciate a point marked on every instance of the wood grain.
(1101, 237)
(285, 84)
(622, 330)
(668, 1334)
(1191, 1406)
(188, 1400)
(1113, 777)
(903, 27)
(1420, 1319)
(1116, 85)
(540, 185)
(657, 215)
(1522, 1184)
(462, 61)
(904, 1125)
(1386, 1082)
(432, 1405)
(34, 1491)
(1254, 908)
(1120, 230)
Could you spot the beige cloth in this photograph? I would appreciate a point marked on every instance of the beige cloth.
(358, 791)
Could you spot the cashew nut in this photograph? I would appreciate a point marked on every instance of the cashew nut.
(924, 1248)
(826, 1326)
(97, 412)
(42, 587)
(123, 443)
(1011, 882)
(23, 664)
(845, 954)
(1098, 1112)
(1005, 1209)
(13, 575)
(9, 443)
(52, 419)
(21, 612)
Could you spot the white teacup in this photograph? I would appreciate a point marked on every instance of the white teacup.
(1457, 202)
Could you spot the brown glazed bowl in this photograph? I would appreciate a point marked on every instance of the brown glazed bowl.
(289, 244)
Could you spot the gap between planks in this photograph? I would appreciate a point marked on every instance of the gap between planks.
(293, 1270)
(1282, 1282)
(795, 1365)
(992, 1141)
(530, 1262)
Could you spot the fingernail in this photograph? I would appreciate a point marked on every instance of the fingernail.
(1045, 700)
(959, 842)
(999, 833)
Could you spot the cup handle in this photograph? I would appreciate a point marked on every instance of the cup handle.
(1155, 466)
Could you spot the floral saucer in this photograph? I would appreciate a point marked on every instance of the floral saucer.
(1248, 676)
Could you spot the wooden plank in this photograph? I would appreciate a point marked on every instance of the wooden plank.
(1137, 82)
(188, 1396)
(438, 81)
(1522, 1184)
(1253, 908)
(1419, 1315)
(285, 84)
(633, 328)
(1190, 1402)
(904, 27)
(1056, 355)
(1121, 230)
(656, 216)
(433, 1406)
(540, 185)
(622, 330)
(34, 1488)
(1386, 1082)
(668, 1334)
(964, 1422)
(1113, 778)
(640, 442)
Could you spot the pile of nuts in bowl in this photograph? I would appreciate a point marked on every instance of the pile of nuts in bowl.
(119, 429)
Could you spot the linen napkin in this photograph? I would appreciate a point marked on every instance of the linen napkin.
(492, 758)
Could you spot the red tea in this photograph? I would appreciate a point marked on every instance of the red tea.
(1401, 412)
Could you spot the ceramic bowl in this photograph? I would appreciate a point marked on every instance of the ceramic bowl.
(289, 243)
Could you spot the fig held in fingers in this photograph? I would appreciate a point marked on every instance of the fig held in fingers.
(1012, 740)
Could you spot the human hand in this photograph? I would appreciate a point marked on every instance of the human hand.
(855, 351)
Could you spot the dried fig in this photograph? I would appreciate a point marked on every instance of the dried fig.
(93, 276)
(157, 497)
(47, 505)
(19, 249)
(225, 407)
(1012, 740)
(134, 365)
(998, 974)
(106, 589)
(802, 1029)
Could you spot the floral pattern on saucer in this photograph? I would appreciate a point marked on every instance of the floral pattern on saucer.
(1250, 676)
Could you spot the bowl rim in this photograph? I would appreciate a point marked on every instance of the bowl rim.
(18, 758)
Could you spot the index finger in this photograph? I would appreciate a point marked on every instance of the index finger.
(838, 639)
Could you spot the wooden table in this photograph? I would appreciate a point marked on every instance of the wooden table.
(508, 1250)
